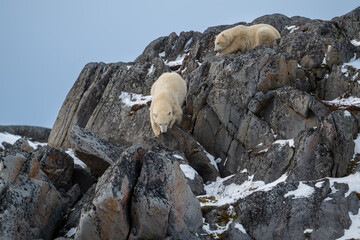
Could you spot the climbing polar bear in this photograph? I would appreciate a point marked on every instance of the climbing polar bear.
(168, 94)
(244, 38)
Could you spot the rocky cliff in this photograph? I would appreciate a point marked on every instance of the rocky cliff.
(271, 132)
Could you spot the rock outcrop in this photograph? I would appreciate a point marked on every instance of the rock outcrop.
(277, 156)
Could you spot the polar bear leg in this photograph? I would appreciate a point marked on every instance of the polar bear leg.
(155, 127)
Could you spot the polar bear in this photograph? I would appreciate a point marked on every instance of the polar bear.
(168, 94)
(244, 38)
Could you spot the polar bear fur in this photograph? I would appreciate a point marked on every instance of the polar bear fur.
(244, 38)
(168, 94)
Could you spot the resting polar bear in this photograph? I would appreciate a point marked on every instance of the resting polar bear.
(168, 94)
(244, 38)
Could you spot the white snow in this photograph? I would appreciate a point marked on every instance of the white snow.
(308, 230)
(350, 101)
(353, 181)
(233, 192)
(347, 113)
(327, 51)
(212, 159)
(292, 28)
(355, 63)
(282, 143)
(354, 230)
(220, 229)
(240, 227)
(303, 191)
(162, 54)
(76, 160)
(130, 99)
(355, 42)
(178, 156)
(188, 171)
(11, 138)
(151, 69)
(71, 232)
(357, 145)
(177, 62)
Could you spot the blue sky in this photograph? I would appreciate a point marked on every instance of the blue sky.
(44, 44)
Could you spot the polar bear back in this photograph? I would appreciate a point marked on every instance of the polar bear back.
(170, 84)
(244, 38)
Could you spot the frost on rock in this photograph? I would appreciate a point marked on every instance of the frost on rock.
(188, 171)
(11, 138)
(131, 99)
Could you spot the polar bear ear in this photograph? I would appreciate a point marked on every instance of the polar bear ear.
(224, 36)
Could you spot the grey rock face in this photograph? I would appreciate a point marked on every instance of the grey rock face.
(111, 202)
(287, 216)
(147, 193)
(57, 165)
(92, 150)
(30, 206)
(163, 203)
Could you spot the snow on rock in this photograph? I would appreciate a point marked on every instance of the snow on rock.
(354, 230)
(354, 63)
(328, 49)
(188, 171)
(76, 160)
(130, 99)
(71, 232)
(220, 194)
(240, 227)
(357, 145)
(177, 62)
(219, 230)
(11, 138)
(355, 42)
(292, 28)
(303, 191)
(344, 102)
(353, 182)
(282, 143)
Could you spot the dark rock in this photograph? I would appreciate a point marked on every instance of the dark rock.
(111, 202)
(280, 214)
(162, 203)
(57, 165)
(83, 178)
(30, 206)
(39, 134)
(92, 150)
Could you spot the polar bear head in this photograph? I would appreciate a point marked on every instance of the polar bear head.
(221, 42)
(162, 115)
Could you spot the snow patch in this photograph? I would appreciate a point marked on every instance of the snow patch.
(188, 171)
(327, 51)
(162, 54)
(354, 230)
(212, 160)
(177, 62)
(12, 138)
(353, 182)
(354, 63)
(130, 99)
(240, 227)
(292, 28)
(355, 42)
(178, 156)
(350, 101)
(282, 143)
(71, 232)
(151, 70)
(303, 191)
(221, 194)
(357, 145)
(76, 160)
(307, 231)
